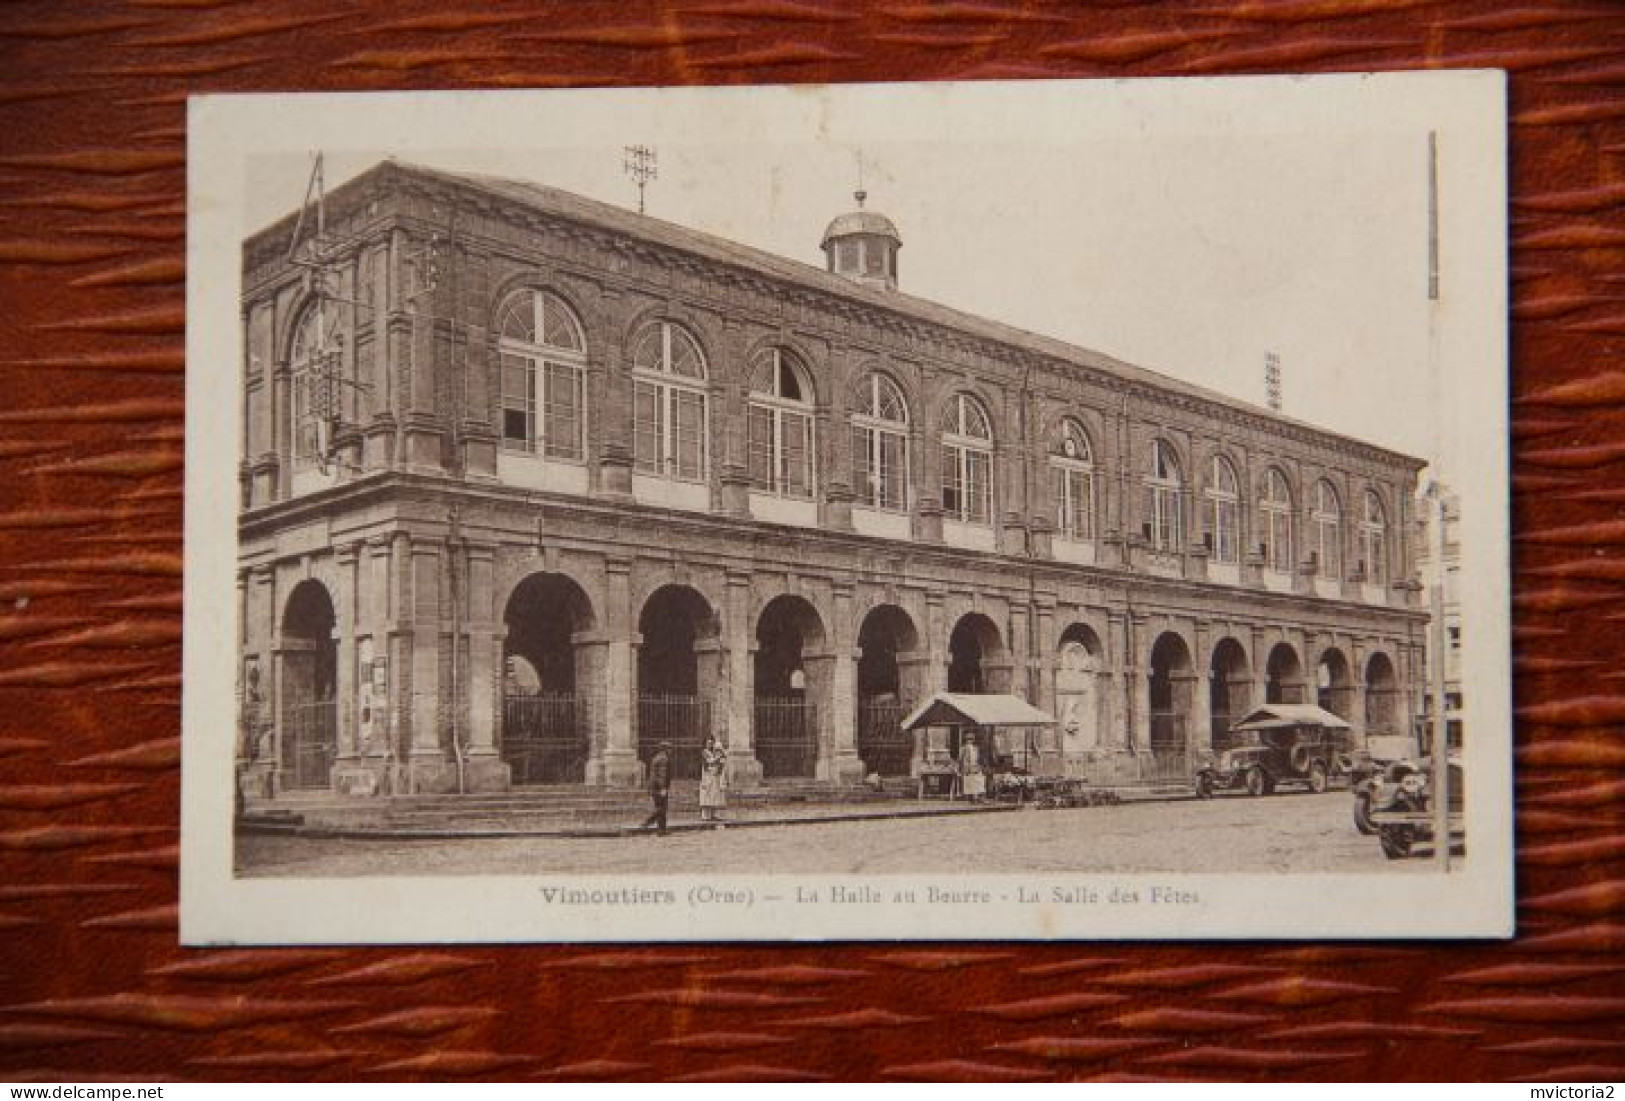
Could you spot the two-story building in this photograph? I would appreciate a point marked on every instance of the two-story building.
(531, 482)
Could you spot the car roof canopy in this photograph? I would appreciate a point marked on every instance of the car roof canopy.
(965, 709)
(1275, 716)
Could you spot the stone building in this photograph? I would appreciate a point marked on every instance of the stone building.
(531, 482)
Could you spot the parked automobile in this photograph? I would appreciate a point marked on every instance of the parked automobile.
(1374, 766)
(1402, 808)
(1279, 743)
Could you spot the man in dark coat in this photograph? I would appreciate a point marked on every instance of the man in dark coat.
(659, 786)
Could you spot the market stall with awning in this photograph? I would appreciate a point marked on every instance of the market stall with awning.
(950, 719)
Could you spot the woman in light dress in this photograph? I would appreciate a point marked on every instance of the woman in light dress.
(971, 780)
(713, 780)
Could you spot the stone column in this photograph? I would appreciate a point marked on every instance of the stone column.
(1139, 672)
(740, 733)
(487, 771)
(345, 688)
(845, 765)
(1117, 733)
(618, 765)
(428, 768)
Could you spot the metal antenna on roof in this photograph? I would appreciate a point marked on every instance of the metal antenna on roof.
(642, 164)
(1272, 380)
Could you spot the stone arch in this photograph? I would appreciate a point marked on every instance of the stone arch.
(551, 677)
(976, 650)
(706, 338)
(1230, 682)
(1172, 677)
(815, 367)
(1283, 672)
(1382, 699)
(1334, 683)
(890, 680)
(308, 686)
(957, 385)
(543, 283)
(679, 674)
(859, 374)
(793, 676)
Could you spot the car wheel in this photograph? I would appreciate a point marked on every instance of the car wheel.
(1362, 814)
(1317, 778)
(1396, 842)
(1257, 782)
(1204, 786)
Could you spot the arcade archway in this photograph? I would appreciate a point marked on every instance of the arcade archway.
(791, 681)
(545, 676)
(1334, 686)
(887, 641)
(1284, 676)
(1171, 679)
(1229, 689)
(974, 649)
(674, 691)
(1381, 697)
(309, 691)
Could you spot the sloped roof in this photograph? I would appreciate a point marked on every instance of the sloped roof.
(965, 709)
(1289, 714)
(616, 219)
(861, 221)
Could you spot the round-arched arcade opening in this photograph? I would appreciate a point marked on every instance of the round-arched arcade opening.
(1171, 680)
(1229, 690)
(1334, 687)
(789, 688)
(674, 692)
(545, 675)
(1381, 697)
(974, 648)
(886, 637)
(1283, 675)
(309, 690)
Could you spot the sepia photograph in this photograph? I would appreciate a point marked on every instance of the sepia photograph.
(1057, 509)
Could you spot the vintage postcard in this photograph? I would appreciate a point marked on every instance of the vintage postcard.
(1005, 510)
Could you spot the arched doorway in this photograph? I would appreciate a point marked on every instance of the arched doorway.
(1171, 677)
(1381, 697)
(545, 725)
(788, 691)
(886, 635)
(1229, 689)
(1284, 676)
(1078, 666)
(674, 699)
(972, 649)
(1334, 687)
(309, 687)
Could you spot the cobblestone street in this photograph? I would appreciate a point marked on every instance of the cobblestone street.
(1280, 833)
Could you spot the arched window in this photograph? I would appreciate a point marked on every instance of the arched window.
(543, 359)
(967, 461)
(1224, 511)
(1072, 482)
(779, 426)
(669, 404)
(1374, 539)
(1276, 508)
(1163, 488)
(316, 369)
(880, 445)
(1327, 519)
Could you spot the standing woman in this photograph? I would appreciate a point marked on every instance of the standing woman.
(972, 781)
(713, 780)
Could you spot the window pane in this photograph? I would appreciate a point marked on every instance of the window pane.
(893, 492)
(759, 446)
(518, 404)
(563, 412)
(688, 416)
(647, 427)
(978, 486)
(953, 474)
(1083, 504)
(795, 431)
(685, 355)
(865, 486)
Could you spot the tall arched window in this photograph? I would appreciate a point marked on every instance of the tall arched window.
(669, 404)
(1327, 519)
(1224, 511)
(1072, 482)
(967, 461)
(1374, 539)
(543, 358)
(1276, 514)
(880, 445)
(1163, 488)
(307, 368)
(779, 426)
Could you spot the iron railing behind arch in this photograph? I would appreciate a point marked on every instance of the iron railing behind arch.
(545, 737)
(684, 721)
(786, 737)
(883, 744)
(1167, 734)
(309, 743)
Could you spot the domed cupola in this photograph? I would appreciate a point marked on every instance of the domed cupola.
(863, 246)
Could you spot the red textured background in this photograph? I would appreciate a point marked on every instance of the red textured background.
(92, 984)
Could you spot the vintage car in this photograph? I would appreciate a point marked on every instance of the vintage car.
(1402, 807)
(1382, 761)
(1279, 743)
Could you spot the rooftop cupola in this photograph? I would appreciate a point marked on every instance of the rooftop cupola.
(862, 246)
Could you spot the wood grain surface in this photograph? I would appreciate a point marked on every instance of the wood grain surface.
(92, 983)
